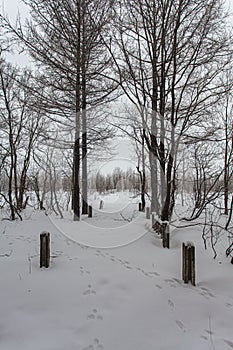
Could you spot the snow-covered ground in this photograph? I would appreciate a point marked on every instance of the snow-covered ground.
(125, 298)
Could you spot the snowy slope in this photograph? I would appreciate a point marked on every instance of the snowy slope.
(126, 298)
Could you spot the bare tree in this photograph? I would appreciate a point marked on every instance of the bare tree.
(21, 130)
(64, 39)
(225, 111)
(169, 57)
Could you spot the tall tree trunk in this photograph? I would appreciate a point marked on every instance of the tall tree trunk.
(10, 196)
(226, 166)
(153, 155)
(76, 164)
(76, 158)
(84, 114)
(154, 183)
(84, 163)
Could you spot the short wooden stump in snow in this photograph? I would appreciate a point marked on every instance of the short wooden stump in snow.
(188, 263)
(90, 211)
(162, 228)
(44, 249)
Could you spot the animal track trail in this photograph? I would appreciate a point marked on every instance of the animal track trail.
(127, 265)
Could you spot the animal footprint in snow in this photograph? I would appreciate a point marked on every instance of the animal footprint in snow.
(206, 293)
(95, 346)
(98, 345)
(95, 315)
(89, 291)
(228, 305)
(180, 325)
(91, 317)
(99, 253)
(154, 273)
(229, 343)
(204, 337)
(171, 282)
(145, 273)
(90, 347)
(158, 286)
(82, 271)
(170, 303)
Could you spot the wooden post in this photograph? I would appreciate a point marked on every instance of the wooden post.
(90, 211)
(101, 204)
(140, 206)
(148, 213)
(188, 263)
(186, 268)
(192, 263)
(183, 260)
(44, 249)
(166, 236)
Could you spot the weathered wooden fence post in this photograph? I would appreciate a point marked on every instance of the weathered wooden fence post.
(188, 263)
(193, 270)
(183, 262)
(166, 236)
(90, 211)
(44, 249)
(101, 204)
(148, 213)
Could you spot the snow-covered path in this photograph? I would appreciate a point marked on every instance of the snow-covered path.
(127, 298)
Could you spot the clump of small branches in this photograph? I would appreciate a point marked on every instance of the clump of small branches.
(214, 229)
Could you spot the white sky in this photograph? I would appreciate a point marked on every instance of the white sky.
(12, 7)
